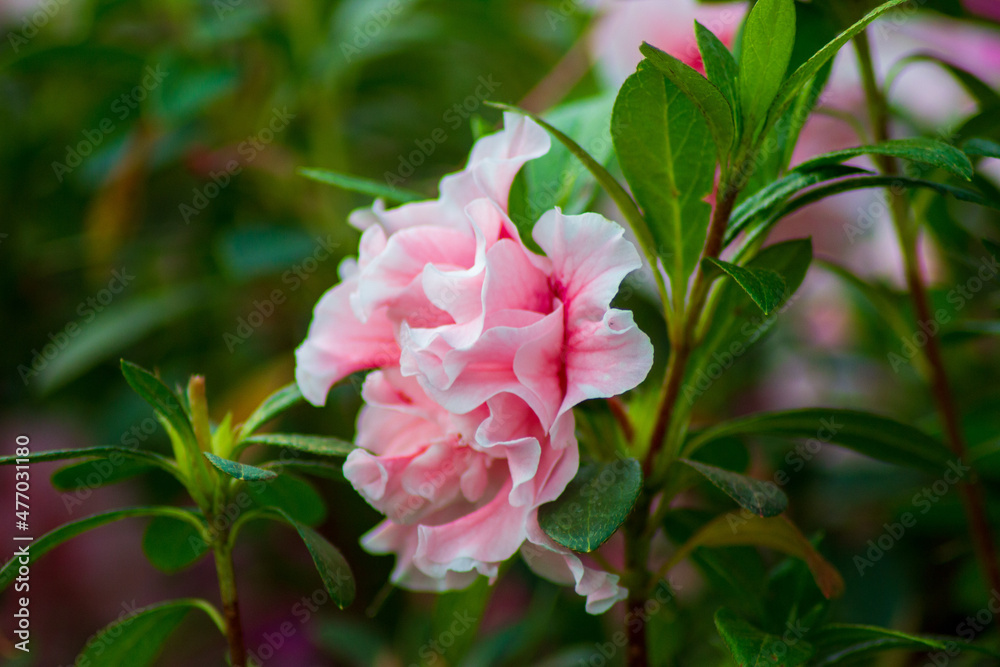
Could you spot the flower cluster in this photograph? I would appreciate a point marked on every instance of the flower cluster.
(481, 349)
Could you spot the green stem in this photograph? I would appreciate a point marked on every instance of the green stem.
(230, 602)
(971, 493)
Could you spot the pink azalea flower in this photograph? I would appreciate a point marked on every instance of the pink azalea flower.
(461, 492)
(449, 290)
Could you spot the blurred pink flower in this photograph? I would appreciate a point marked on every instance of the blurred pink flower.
(461, 492)
(669, 26)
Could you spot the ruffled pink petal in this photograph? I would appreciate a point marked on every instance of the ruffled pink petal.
(605, 358)
(480, 539)
(590, 257)
(391, 538)
(560, 565)
(339, 344)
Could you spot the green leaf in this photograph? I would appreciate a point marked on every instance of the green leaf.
(777, 533)
(765, 200)
(459, 614)
(138, 639)
(764, 499)
(764, 286)
(840, 642)
(272, 406)
(314, 444)
(238, 470)
(54, 538)
(363, 186)
(172, 545)
(761, 227)
(980, 147)
(112, 453)
(805, 72)
(96, 473)
(593, 506)
(295, 496)
(720, 66)
(120, 326)
(879, 437)
(736, 323)
(765, 50)
(752, 647)
(621, 198)
(558, 178)
(916, 149)
(332, 568)
(315, 468)
(164, 401)
(665, 151)
(703, 93)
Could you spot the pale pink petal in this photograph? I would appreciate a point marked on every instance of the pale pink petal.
(390, 538)
(560, 565)
(605, 358)
(338, 344)
(590, 257)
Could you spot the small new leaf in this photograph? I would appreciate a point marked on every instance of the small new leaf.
(765, 287)
(593, 506)
(238, 470)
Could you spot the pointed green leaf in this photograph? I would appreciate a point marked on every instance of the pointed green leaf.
(621, 197)
(332, 568)
(752, 647)
(593, 506)
(764, 286)
(764, 499)
(295, 496)
(980, 147)
(703, 93)
(916, 149)
(805, 73)
(96, 473)
(363, 186)
(873, 435)
(764, 201)
(238, 470)
(161, 397)
(272, 406)
(113, 453)
(777, 533)
(172, 545)
(138, 639)
(54, 538)
(765, 50)
(838, 643)
(665, 150)
(720, 66)
(736, 323)
(314, 444)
